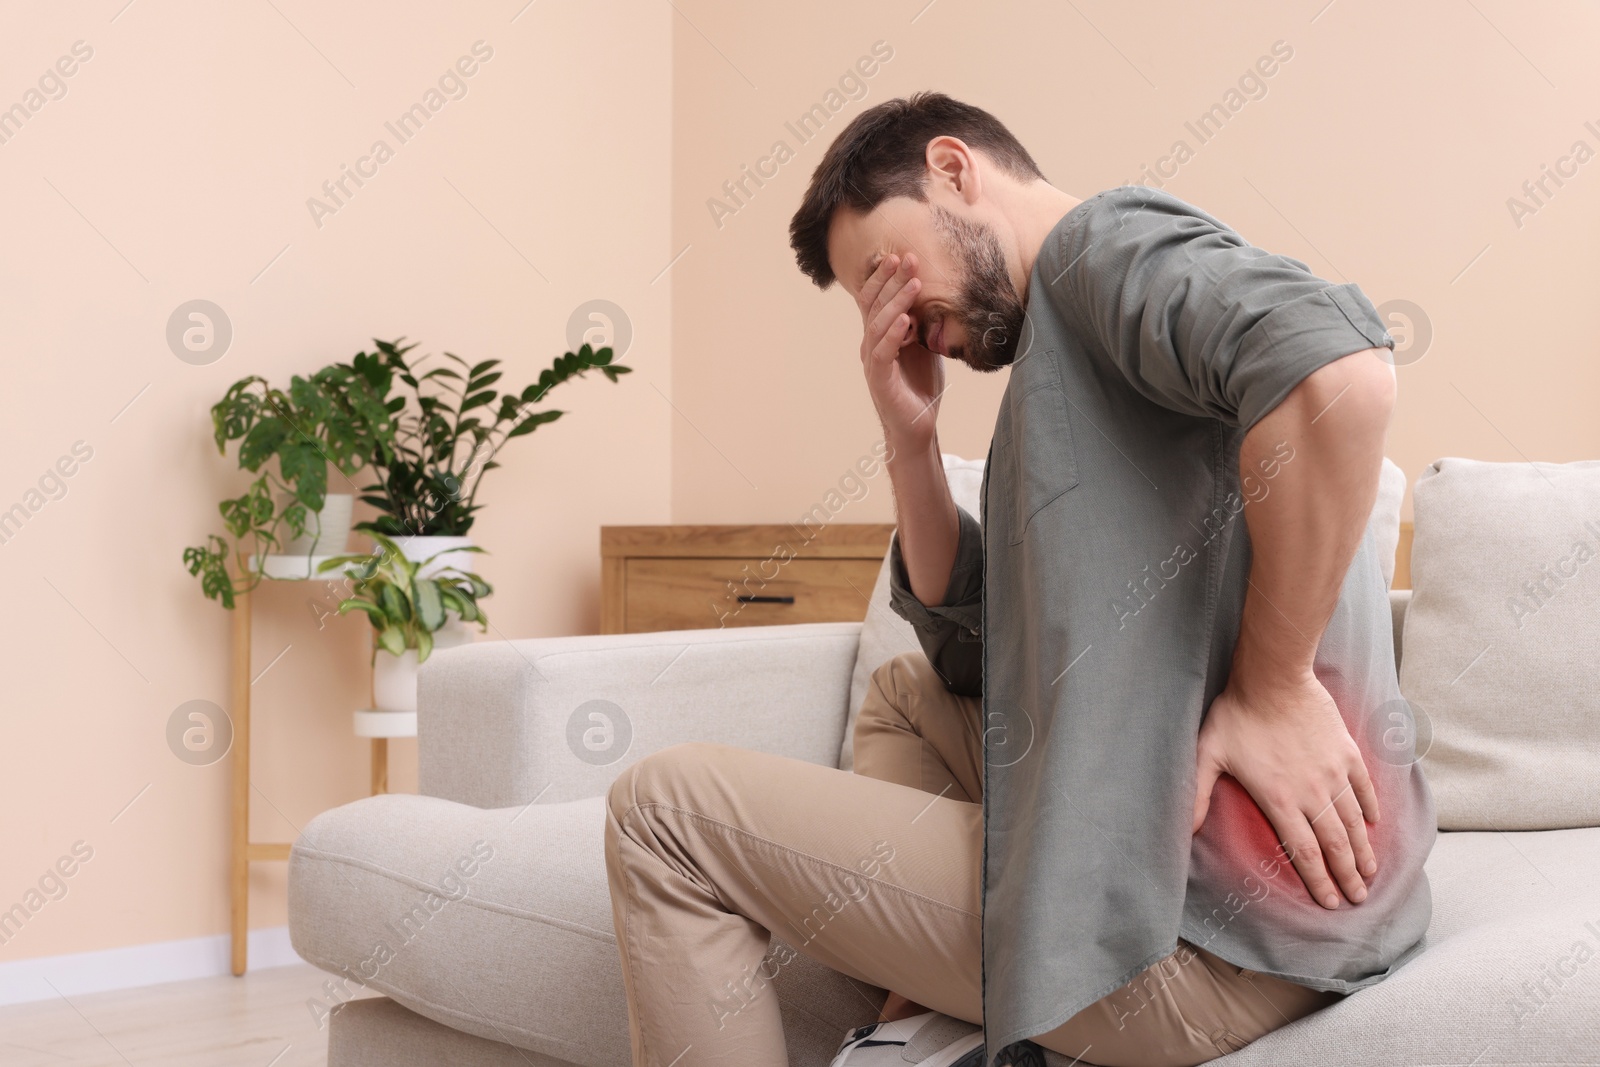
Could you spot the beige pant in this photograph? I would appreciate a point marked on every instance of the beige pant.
(874, 873)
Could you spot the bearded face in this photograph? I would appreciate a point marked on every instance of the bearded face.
(988, 309)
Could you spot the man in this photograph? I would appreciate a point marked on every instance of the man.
(1157, 673)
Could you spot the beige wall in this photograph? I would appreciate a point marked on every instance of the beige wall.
(190, 142)
(1383, 152)
(178, 166)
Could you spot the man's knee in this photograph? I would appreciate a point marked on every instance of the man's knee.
(901, 676)
(661, 777)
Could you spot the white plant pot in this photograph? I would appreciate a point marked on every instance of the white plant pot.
(419, 548)
(394, 678)
(370, 723)
(327, 531)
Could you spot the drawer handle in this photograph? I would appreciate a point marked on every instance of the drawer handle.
(766, 600)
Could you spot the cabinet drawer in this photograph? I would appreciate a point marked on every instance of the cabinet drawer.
(693, 594)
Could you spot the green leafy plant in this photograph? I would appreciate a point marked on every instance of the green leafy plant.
(405, 609)
(429, 447)
(447, 433)
(339, 417)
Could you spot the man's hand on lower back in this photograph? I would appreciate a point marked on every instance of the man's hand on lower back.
(1287, 745)
(1275, 729)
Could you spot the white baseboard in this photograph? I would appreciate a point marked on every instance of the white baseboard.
(23, 981)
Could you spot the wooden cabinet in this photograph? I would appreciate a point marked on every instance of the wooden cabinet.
(703, 577)
(700, 577)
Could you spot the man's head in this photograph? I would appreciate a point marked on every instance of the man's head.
(928, 175)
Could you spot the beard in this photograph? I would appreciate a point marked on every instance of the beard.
(989, 311)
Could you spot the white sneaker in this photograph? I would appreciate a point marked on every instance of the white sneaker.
(927, 1040)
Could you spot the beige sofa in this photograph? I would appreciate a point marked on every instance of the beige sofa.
(480, 907)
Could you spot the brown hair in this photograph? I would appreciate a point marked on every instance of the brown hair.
(883, 154)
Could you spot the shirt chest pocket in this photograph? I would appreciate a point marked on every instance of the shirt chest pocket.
(1032, 458)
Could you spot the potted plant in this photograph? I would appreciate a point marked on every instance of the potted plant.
(339, 418)
(411, 613)
(446, 436)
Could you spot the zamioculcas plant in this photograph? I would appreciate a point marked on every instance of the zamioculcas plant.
(446, 437)
(405, 609)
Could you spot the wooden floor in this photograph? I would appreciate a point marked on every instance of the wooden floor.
(260, 1020)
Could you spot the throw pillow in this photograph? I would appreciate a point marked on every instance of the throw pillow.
(1501, 640)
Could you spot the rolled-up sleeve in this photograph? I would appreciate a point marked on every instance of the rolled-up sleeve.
(951, 633)
(1197, 318)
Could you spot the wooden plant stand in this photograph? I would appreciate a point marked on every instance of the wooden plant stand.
(243, 851)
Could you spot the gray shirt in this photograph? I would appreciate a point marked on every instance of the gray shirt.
(1096, 609)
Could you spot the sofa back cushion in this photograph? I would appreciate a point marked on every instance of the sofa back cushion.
(1501, 643)
(885, 634)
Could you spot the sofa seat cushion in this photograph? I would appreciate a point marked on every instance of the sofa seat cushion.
(1509, 973)
(525, 953)
(377, 1032)
(497, 922)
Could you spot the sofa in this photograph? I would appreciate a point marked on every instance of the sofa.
(479, 908)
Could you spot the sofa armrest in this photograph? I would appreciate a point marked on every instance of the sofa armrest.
(504, 723)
